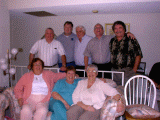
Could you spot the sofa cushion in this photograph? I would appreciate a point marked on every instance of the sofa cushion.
(142, 111)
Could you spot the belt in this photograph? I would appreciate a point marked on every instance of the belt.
(50, 66)
(70, 62)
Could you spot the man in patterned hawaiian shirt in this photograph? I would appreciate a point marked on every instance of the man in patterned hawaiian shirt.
(126, 53)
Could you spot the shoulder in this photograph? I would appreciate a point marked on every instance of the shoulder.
(77, 79)
(56, 41)
(92, 41)
(60, 36)
(29, 73)
(61, 81)
(40, 41)
(84, 81)
(108, 36)
(88, 37)
(99, 81)
(47, 72)
(73, 35)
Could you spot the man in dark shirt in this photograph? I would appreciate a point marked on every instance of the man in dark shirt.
(126, 53)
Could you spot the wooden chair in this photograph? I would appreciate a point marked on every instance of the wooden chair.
(140, 89)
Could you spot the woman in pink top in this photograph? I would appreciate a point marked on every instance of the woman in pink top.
(33, 91)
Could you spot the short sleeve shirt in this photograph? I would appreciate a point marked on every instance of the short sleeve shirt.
(68, 43)
(79, 49)
(65, 89)
(48, 52)
(98, 50)
(124, 52)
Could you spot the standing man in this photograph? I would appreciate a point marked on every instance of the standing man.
(48, 50)
(98, 50)
(126, 53)
(80, 45)
(68, 41)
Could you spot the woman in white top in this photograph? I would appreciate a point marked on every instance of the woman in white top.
(89, 96)
(33, 91)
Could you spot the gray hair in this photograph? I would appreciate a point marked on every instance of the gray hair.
(93, 66)
(82, 27)
(98, 24)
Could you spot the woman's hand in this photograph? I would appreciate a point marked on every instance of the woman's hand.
(117, 97)
(89, 108)
(104, 80)
(86, 107)
(66, 105)
(20, 102)
(120, 107)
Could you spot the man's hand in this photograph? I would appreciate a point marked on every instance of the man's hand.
(135, 70)
(29, 67)
(104, 80)
(131, 35)
(63, 68)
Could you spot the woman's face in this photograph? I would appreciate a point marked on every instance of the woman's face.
(37, 68)
(91, 73)
(70, 76)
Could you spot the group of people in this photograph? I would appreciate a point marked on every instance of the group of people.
(121, 52)
(72, 98)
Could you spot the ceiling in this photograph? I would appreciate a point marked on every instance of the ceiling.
(103, 8)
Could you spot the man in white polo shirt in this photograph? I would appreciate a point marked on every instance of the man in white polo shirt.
(48, 50)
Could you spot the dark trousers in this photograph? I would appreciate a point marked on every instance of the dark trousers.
(81, 73)
(67, 64)
(104, 67)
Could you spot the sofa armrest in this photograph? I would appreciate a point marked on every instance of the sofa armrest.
(4, 103)
(13, 103)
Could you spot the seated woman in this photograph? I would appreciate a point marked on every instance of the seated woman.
(61, 99)
(33, 91)
(89, 96)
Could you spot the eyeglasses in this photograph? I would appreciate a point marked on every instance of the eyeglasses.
(37, 64)
(94, 71)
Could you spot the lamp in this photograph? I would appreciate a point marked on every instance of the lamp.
(6, 64)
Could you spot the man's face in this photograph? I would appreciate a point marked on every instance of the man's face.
(49, 35)
(119, 30)
(98, 30)
(68, 29)
(80, 33)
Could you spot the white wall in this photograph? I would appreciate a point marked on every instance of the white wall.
(4, 37)
(26, 30)
(20, 4)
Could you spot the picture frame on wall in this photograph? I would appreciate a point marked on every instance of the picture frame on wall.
(109, 31)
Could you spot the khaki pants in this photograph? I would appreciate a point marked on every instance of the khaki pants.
(78, 113)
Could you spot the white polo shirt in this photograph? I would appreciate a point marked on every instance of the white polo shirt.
(48, 52)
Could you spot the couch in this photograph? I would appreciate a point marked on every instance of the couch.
(7, 99)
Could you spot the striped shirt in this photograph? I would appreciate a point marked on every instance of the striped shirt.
(98, 50)
(48, 52)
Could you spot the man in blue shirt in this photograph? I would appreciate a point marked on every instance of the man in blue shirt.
(80, 45)
(68, 40)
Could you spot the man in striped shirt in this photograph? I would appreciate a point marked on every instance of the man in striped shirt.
(48, 50)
